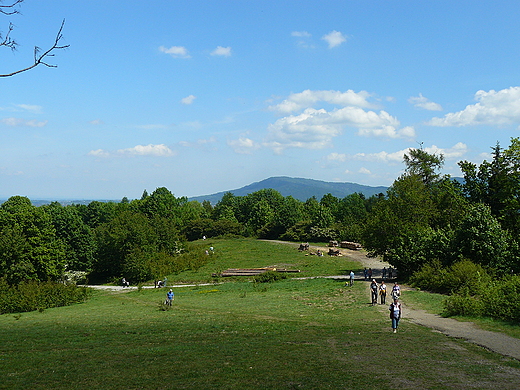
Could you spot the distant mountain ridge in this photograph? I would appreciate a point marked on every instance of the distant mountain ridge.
(298, 188)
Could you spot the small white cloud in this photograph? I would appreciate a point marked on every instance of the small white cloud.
(364, 171)
(301, 34)
(334, 38)
(336, 157)
(176, 51)
(243, 145)
(30, 107)
(16, 122)
(188, 100)
(99, 153)
(148, 150)
(222, 51)
(97, 122)
(424, 103)
(308, 98)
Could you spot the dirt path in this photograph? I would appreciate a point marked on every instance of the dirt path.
(494, 341)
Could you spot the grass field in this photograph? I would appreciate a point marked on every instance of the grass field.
(290, 334)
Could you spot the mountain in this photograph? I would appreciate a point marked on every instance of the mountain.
(301, 189)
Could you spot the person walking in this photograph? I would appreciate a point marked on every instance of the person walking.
(396, 291)
(396, 312)
(351, 278)
(373, 291)
(382, 292)
(170, 296)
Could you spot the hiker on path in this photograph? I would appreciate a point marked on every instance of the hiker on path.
(351, 278)
(382, 292)
(373, 291)
(170, 296)
(365, 273)
(396, 291)
(396, 312)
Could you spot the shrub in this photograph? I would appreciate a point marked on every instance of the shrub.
(33, 295)
(463, 275)
(460, 304)
(269, 277)
(500, 299)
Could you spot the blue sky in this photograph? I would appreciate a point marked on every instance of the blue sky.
(208, 96)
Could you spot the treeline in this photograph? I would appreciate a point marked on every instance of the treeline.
(424, 218)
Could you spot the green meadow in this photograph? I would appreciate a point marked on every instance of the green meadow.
(237, 334)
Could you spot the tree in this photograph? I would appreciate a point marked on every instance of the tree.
(497, 184)
(40, 57)
(77, 237)
(423, 164)
(29, 246)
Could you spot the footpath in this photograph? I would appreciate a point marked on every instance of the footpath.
(493, 341)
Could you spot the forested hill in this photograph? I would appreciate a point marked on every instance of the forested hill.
(301, 189)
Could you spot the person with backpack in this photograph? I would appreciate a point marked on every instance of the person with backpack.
(396, 312)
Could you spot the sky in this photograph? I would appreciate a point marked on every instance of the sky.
(208, 96)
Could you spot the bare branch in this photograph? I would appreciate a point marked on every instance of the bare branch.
(8, 41)
(9, 9)
(39, 59)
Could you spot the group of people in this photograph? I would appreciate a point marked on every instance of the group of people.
(395, 307)
(381, 290)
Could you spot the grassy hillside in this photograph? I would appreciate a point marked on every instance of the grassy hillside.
(308, 334)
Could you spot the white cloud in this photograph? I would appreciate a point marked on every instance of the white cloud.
(30, 107)
(148, 150)
(188, 99)
(139, 150)
(316, 128)
(176, 51)
(336, 157)
(243, 145)
(453, 153)
(385, 157)
(99, 153)
(307, 98)
(96, 122)
(222, 51)
(492, 108)
(364, 171)
(15, 122)
(301, 34)
(424, 103)
(198, 143)
(334, 38)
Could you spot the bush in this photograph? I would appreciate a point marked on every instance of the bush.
(32, 295)
(269, 277)
(465, 305)
(501, 301)
(461, 276)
